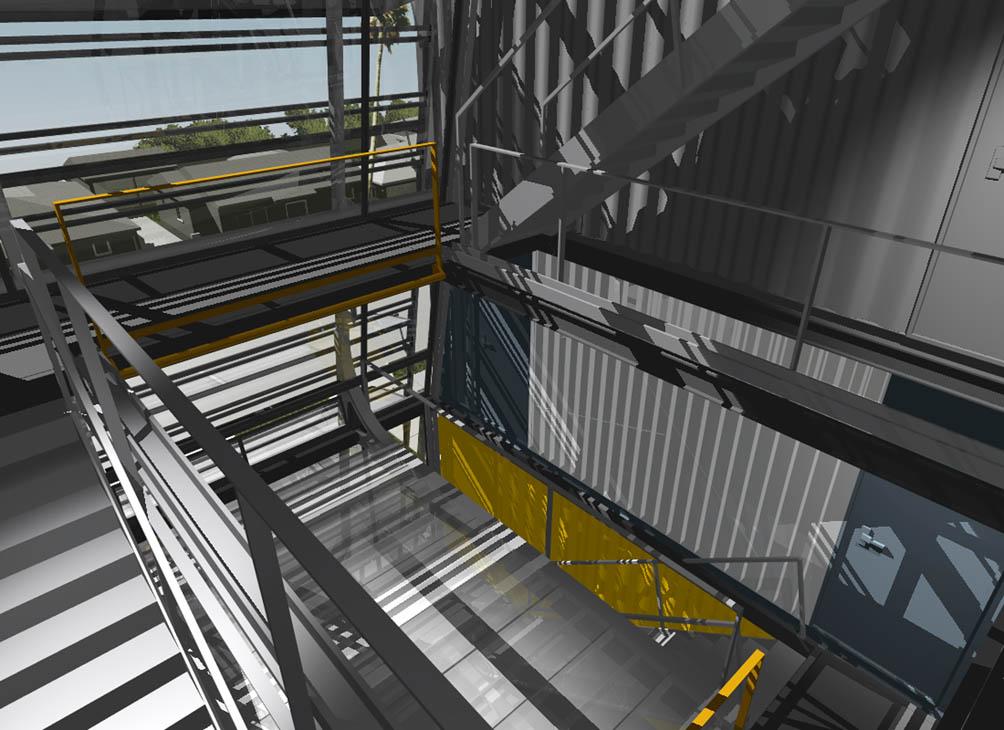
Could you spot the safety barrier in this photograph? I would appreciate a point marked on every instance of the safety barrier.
(746, 676)
(435, 250)
(231, 568)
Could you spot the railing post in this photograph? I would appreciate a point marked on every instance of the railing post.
(364, 111)
(803, 323)
(475, 196)
(735, 639)
(562, 224)
(658, 597)
(280, 625)
(458, 175)
(800, 566)
(747, 700)
(99, 384)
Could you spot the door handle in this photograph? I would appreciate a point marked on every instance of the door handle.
(996, 169)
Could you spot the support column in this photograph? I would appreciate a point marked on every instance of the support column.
(336, 98)
(364, 120)
(7, 239)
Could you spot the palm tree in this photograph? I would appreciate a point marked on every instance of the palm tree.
(389, 24)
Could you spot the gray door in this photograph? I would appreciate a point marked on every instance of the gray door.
(909, 584)
(965, 296)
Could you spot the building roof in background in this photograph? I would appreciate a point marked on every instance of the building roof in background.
(239, 163)
(134, 157)
(26, 200)
(114, 155)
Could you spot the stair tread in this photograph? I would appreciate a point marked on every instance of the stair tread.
(56, 541)
(50, 636)
(58, 570)
(169, 704)
(95, 681)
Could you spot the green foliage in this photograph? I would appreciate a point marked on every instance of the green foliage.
(302, 127)
(397, 115)
(202, 139)
(352, 119)
(320, 124)
(389, 24)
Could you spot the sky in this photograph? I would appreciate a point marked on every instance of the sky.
(64, 92)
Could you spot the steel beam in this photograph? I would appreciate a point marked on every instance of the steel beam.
(936, 463)
(416, 672)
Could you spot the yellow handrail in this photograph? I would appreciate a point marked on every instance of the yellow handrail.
(436, 275)
(57, 205)
(746, 675)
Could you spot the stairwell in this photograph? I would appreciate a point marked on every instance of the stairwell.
(83, 642)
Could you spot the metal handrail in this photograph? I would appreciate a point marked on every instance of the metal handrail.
(711, 198)
(661, 617)
(799, 563)
(264, 514)
(57, 205)
(436, 247)
(827, 226)
(746, 676)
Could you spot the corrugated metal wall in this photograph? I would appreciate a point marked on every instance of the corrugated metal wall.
(871, 131)
(712, 480)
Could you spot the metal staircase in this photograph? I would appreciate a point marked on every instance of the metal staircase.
(733, 55)
(83, 642)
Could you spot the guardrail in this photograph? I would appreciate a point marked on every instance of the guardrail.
(825, 226)
(746, 676)
(231, 567)
(434, 250)
(662, 618)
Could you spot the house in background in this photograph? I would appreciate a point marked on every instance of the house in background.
(139, 173)
(215, 208)
(232, 205)
(398, 180)
(91, 240)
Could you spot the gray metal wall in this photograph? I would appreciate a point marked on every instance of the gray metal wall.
(871, 131)
(712, 480)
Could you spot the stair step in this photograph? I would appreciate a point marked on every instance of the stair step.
(56, 541)
(66, 596)
(77, 653)
(47, 575)
(743, 49)
(175, 705)
(48, 637)
(100, 688)
(34, 431)
(40, 495)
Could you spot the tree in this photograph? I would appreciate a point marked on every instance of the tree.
(399, 115)
(389, 24)
(319, 125)
(202, 139)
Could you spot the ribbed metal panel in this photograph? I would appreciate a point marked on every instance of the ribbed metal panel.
(509, 115)
(714, 481)
(870, 131)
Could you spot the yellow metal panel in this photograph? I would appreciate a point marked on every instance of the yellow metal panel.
(515, 498)
(577, 535)
(503, 489)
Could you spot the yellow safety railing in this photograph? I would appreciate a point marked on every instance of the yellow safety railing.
(436, 249)
(746, 676)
